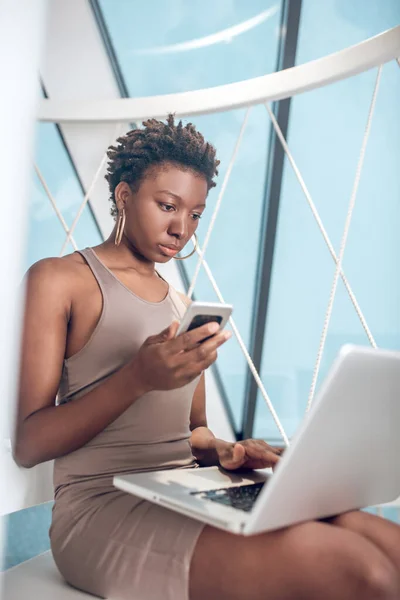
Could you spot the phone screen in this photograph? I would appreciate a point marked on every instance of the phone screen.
(200, 320)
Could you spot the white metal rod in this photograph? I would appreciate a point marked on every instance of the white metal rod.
(351, 61)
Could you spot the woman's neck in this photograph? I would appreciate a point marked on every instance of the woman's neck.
(125, 256)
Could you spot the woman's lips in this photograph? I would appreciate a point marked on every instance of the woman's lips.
(168, 251)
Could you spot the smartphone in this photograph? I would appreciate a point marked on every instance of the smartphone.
(200, 313)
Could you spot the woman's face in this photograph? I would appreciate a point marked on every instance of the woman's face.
(163, 214)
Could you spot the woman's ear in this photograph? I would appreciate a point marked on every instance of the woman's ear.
(122, 194)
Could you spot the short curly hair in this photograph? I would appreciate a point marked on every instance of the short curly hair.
(156, 144)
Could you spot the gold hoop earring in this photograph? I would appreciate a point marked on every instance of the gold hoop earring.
(120, 227)
(196, 245)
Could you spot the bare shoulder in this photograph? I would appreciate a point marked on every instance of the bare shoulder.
(55, 270)
(55, 276)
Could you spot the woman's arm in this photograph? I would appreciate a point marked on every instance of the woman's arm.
(203, 441)
(45, 431)
(209, 450)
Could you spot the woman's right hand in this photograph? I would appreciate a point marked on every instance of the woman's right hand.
(166, 362)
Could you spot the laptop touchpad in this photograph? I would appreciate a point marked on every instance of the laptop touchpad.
(208, 479)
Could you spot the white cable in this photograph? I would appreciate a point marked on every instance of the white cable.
(246, 354)
(54, 204)
(87, 195)
(218, 204)
(344, 240)
(320, 224)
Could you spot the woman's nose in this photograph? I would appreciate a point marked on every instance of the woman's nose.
(178, 228)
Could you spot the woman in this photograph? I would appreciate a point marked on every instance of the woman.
(100, 332)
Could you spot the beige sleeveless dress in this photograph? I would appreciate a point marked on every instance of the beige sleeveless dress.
(104, 541)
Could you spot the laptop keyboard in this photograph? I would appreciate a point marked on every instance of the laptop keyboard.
(241, 496)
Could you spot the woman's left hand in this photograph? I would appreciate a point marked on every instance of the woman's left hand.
(247, 454)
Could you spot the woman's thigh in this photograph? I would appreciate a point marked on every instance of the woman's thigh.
(311, 561)
(125, 548)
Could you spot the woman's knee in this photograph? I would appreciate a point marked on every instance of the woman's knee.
(341, 564)
(366, 571)
(310, 561)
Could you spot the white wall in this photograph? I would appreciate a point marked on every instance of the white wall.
(21, 37)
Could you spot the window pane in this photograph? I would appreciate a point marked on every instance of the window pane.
(325, 137)
(332, 25)
(177, 46)
(46, 234)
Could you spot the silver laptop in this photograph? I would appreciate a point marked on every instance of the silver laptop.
(345, 455)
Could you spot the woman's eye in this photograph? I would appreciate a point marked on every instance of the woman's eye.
(167, 207)
(196, 217)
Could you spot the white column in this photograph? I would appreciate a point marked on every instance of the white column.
(21, 35)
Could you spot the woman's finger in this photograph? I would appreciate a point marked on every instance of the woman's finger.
(232, 457)
(274, 449)
(201, 352)
(192, 338)
(257, 448)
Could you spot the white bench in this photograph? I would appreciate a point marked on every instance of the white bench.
(39, 578)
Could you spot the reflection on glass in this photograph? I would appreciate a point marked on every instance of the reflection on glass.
(192, 45)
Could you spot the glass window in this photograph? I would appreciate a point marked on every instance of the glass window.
(27, 534)
(178, 46)
(46, 234)
(325, 136)
(332, 25)
(202, 45)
